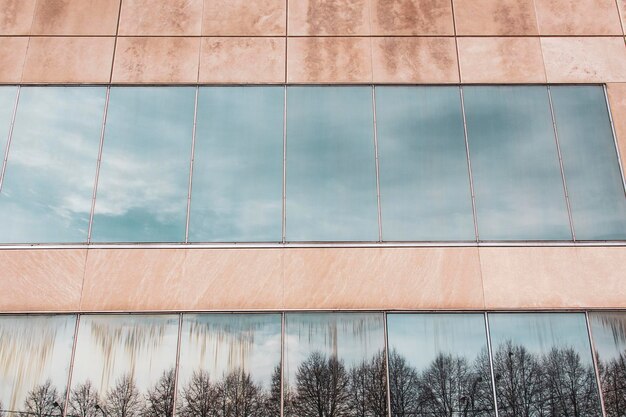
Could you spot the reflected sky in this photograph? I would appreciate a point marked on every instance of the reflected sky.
(144, 176)
(33, 349)
(609, 334)
(424, 181)
(49, 179)
(223, 343)
(331, 169)
(238, 165)
(7, 103)
(594, 180)
(111, 346)
(515, 165)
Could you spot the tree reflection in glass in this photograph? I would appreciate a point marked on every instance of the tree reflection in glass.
(335, 365)
(543, 365)
(230, 365)
(609, 337)
(35, 353)
(124, 366)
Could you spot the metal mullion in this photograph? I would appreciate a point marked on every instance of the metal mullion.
(595, 362)
(191, 161)
(282, 364)
(284, 200)
(377, 162)
(558, 150)
(387, 373)
(176, 369)
(619, 157)
(469, 165)
(71, 370)
(10, 136)
(490, 353)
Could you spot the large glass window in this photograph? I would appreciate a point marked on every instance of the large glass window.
(49, 179)
(424, 182)
(238, 165)
(594, 180)
(331, 170)
(7, 104)
(144, 174)
(35, 353)
(515, 165)
(543, 365)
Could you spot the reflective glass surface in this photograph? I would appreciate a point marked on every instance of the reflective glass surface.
(144, 176)
(609, 338)
(230, 365)
(49, 179)
(331, 169)
(238, 165)
(124, 366)
(7, 103)
(424, 181)
(594, 180)
(543, 366)
(439, 365)
(335, 365)
(35, 354)
(515, 165)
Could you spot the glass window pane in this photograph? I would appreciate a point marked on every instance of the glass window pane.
(424, 181)
(7, 104)
(124, 365)
(238, 165)
(49, 179)
(439, 365)
(594, 180)
(331, 169)
(230, 365)
(144, 176)
(338, 357)
(609, 339)
(515, 164)
(35, 353)
(543, 365)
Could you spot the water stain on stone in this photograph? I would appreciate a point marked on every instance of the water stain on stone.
(411, 16)
(327, 17)
(514, 17)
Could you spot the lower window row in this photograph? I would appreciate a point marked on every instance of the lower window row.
(327, 364)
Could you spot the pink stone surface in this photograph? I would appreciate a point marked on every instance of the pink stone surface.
(12, 55)
(495, 17)
(578, 17)
(162, 18)
(244, 18)
(323, 17)
(16, 16)
(412, 17)
(76, 17)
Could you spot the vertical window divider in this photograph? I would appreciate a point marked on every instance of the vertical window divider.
(558, 150)
(71, 370)
(191, 160)
(177, 366)
(282, 364)
(98, 163)
(284, 200)
(377, 162)
(619, 157)
(595, 363)
(10, 135)
(490, 354)
(387, 373)
(469, 165)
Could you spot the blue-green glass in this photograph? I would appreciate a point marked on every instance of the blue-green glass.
(48, 184)
(543, 365)
(331, 170)
(7, 103)
(515, 165)
(144, 176)
(238, 165)
(424, 181)
(594, 180)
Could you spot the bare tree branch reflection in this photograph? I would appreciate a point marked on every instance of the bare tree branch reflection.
(43, 401)
(613, 382)
(160, 398)
(83, 400)
(123, 400)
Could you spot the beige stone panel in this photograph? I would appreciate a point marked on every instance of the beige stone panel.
(553, 277)
(329, 60)
(244, 17)
(132, 279)
(584, 60)
(76, 17)
(324, 17)
(41, 280)
(162, 18)
(232, 279)
(12, 55)
(621, 4)
(495, 17)
(617, 100)
(578, 17)
(383, 278)
(156, 60)
(68, 60)
(16, 16)
(414, 60)
(501, 60)
(242, 60)
(412, 17)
